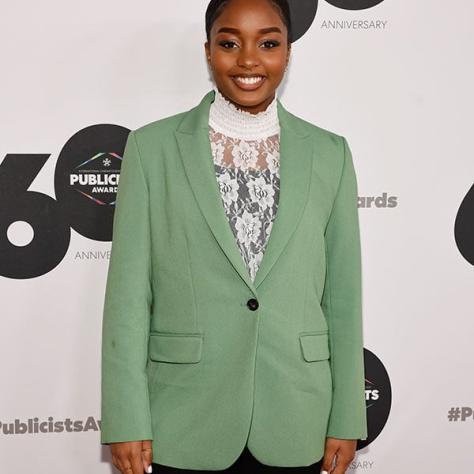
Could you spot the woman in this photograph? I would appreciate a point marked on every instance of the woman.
(232, 333)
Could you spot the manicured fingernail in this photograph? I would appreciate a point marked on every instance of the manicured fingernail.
(324, 472)
(149, 469)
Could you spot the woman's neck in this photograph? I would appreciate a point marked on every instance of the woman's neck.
(227, 118)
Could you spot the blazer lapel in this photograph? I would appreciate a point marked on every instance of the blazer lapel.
(296, 158)
(192, 136)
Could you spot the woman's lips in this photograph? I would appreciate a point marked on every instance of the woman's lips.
(247, 83)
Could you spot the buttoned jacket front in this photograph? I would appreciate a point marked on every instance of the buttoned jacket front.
(198, 357)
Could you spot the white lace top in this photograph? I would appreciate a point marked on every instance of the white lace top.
(246, 154)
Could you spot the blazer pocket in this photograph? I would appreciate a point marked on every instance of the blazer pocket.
(175, 347)
(314, 345)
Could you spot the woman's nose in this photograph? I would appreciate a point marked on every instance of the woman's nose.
(248, 58)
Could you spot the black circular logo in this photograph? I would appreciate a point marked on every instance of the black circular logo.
(378, 397)
(354, 4)
(463, 227)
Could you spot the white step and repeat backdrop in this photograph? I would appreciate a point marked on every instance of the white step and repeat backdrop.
(395, 78)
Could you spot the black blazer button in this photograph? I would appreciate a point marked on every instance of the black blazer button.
(252, 304)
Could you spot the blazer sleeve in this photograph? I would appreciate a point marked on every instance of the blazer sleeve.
(125, 409)
(342, 306)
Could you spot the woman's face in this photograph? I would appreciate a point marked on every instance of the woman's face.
(248, 52)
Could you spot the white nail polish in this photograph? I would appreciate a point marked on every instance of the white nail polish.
(149, 469)
(324, 472)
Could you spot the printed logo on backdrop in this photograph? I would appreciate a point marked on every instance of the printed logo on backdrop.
(378, 399)
(461, 413)
(303, 13)
(464, 227)
(383, 201)
(40, 426)
(85, 181)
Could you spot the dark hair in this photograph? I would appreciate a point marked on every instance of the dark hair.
(215, 7)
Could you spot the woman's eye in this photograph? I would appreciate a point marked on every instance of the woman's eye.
(224, 43)
(271, 43)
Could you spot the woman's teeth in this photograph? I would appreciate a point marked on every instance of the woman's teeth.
(249, 80)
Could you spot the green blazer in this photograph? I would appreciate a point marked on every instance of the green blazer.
(198, 357)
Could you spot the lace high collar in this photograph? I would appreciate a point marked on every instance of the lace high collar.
(226, 118)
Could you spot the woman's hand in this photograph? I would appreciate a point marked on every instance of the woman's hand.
(132, 457)
(344, 451)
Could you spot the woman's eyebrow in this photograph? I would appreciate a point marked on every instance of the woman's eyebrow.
(227, 29)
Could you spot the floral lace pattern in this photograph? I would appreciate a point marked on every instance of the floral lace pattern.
(248, 175)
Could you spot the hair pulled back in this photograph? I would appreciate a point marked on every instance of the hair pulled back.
(215, 8)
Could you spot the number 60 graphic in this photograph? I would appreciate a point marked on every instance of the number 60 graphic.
(85, 180)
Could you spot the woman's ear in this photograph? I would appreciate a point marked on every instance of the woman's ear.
(208, 52)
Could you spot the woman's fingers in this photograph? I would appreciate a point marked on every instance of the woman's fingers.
(326, 467)
(147, 455)
(340, 467)
(137, 464)
(127, 457)
(342, 463)
(122, 464)
(339, 452)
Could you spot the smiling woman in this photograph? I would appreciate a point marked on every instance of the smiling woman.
(232, 329)
(248, 48)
